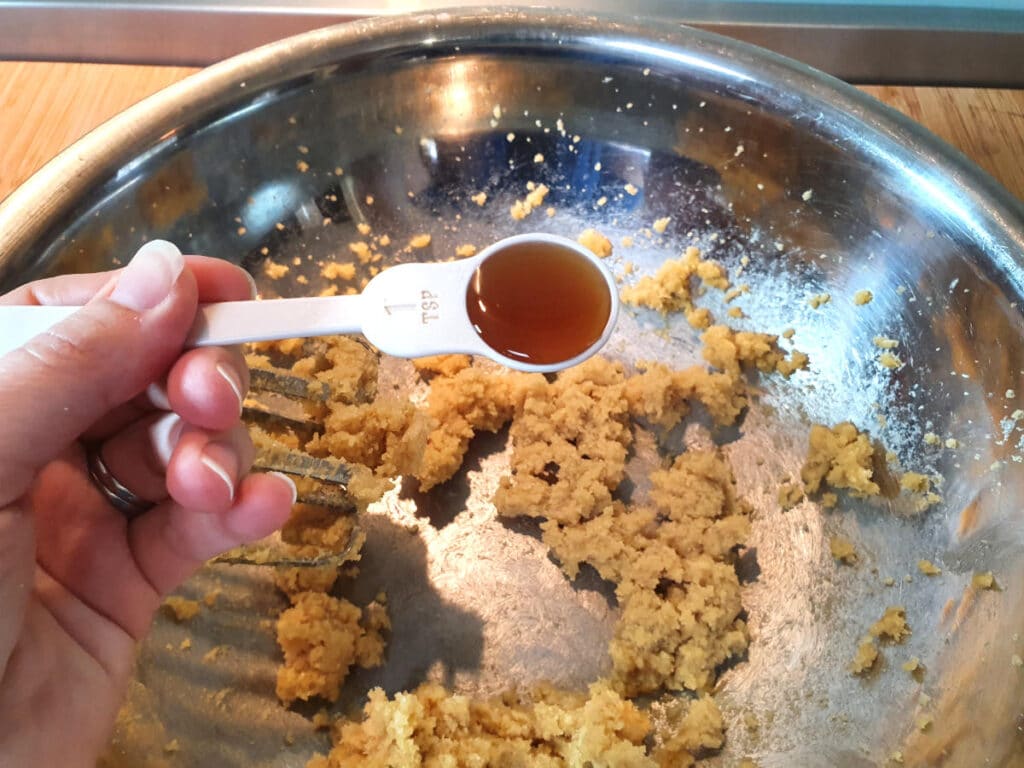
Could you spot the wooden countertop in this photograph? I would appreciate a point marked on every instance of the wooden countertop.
(45, 106)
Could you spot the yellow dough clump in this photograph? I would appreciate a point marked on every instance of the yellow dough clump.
(444, 365)
(865, 658)
(915, 482)
(844, 458)
(842, 550)
(730, 351)
(678, 588)
(460, 405)
(334, 270)
(180, 609)
(662, 396)
(387, 436)
(548, 729)
(841, 457)
(322, 638)
(570, 442)
(595, 242)
(892, 625)
(534, 199)
(983, 580)
(671, 289)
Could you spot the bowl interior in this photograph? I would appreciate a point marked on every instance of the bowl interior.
(777, 172)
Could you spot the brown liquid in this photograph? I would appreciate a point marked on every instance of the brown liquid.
(538, 302)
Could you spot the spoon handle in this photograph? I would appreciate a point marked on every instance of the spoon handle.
(237, 322)
(228, 322)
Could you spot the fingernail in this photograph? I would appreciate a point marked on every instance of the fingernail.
(149, 276)
(228, 374)
(164, 434)
(157, 395)
(253, 290)
(214, 465)
(291, 484)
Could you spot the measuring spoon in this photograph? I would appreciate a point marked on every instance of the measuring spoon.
(532, 302)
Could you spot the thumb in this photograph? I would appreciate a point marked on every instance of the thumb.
(55, 386)
(17, 571)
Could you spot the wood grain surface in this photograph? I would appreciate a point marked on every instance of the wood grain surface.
(45, 106)
(987, 125)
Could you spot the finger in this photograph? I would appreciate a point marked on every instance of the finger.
(123, 416)
(141, 455)
(62, 381)
(63, 291)
(170, 542)
(153, 399)
(205, 468)
(207, 386)
(138, 456)
(216, 280)
(17, 565)
(87, 551)
(220, 280)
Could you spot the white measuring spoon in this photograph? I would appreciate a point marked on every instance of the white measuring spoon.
(409, 310)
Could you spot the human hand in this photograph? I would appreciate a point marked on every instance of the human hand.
(79, 582)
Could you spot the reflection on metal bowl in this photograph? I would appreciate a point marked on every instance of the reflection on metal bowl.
(281, 153)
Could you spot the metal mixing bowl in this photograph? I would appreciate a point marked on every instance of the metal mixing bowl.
(821, 188)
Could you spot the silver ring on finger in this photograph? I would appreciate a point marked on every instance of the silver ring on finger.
(120, 497)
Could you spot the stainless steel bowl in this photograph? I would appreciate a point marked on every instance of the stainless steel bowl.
(823, 189)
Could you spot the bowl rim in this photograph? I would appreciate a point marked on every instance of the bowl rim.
(39, 202)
